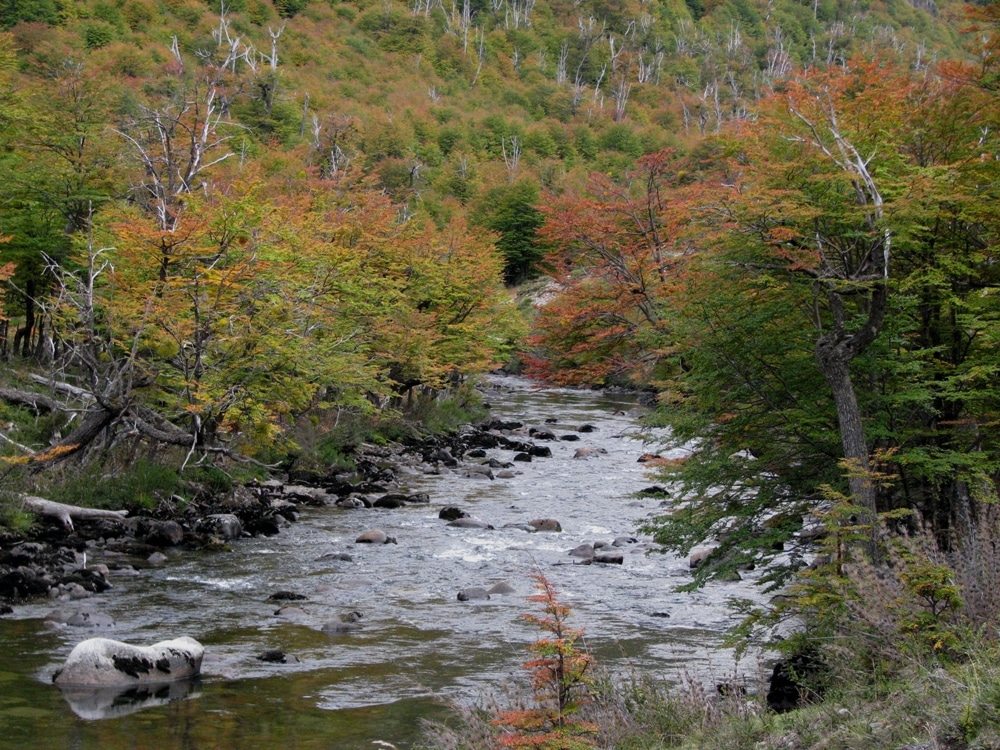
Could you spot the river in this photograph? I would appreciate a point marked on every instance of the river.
(416, 644)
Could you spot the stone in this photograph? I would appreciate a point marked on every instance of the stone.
(545, 524)
(374, 536)
(90, 619)
(613, 557)
(224, 525)
(697, 558)
(164, 534)
(585, 551)
(501, 589)
(287, 596)
(278, 657)
(452, 512)
(469, 523)
(102, 662)
(473, 593)
(390, 501)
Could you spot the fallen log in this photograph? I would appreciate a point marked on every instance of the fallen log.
(66, 513)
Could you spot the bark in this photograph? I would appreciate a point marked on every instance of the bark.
(65, 514)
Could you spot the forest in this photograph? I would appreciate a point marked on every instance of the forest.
(248, 234)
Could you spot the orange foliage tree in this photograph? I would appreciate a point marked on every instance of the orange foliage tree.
(558, 679)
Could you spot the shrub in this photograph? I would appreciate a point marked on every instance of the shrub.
(559, 682)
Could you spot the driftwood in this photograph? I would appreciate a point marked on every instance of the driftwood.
(66, 513)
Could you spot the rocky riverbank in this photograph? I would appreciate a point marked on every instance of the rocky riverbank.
(70, 564)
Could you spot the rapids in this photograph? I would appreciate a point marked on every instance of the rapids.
(416, 643)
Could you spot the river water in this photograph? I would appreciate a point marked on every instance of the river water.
(416, 644)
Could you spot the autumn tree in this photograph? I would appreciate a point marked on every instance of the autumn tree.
(832, 322)
(559, 682)
(616, 255)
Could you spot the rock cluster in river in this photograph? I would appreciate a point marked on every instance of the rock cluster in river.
(62, 564)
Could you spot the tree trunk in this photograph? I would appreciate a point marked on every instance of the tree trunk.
(834, 366)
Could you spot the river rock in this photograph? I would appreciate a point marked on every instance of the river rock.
(523, 457)
(609, 557)
(278, 657)
(374, 536)
(469, 522)
(224, 525)
(352, 502)
(569, 437)
(477, 471)
(164, 534)
(90, 619)
(6, 609)
(342, 556)
(697, 558)
(586, 428)
(545, 524)
(586, 551)
(472, 593)
(521, 526)
(390, 501)
(542, 434)
(452, 512)
(501, 589)
(346, 623)
(506, 474)
(287, 596)
(102, 662)
(624, 541)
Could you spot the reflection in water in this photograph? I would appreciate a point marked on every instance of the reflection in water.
(112, 703)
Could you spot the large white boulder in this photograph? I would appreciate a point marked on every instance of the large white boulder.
(102, 662)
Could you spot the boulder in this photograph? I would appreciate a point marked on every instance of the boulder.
(501, 589)
(585, 551)
(102, 662)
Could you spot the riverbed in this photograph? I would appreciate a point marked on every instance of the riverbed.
(416, 644)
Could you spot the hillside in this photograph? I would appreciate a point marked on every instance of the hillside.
(216, 218)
